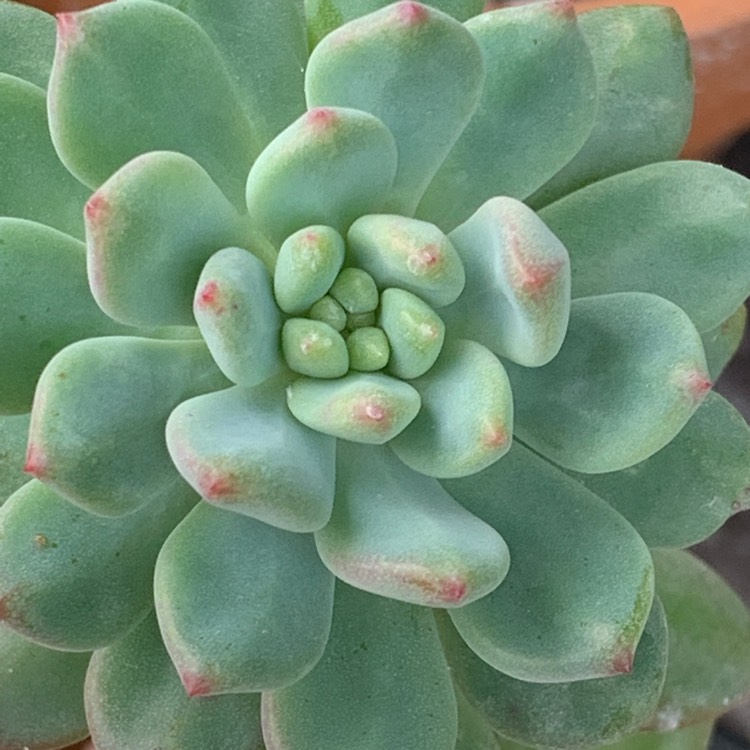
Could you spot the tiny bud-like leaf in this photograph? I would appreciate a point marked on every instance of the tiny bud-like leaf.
(368, 349)
(237, 315)
(409, 254)
(517, 296)
(355, 290)
(327, 310)
(313, 348)
(363, 408)
(306, 266)
(415, 333)
(466, 420)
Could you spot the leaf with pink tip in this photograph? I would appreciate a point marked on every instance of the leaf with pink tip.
(644, 86)
(134, 699)
(580, 585)
(46, 305)
(101, 406)
(580, 714)
(466, 419)
(241, 450)
(41, 695)
(399, 534)
(137, 76)
(329, 167)
(242, 606)
(418, 70)
(657, 229)
(27, 42)
(382, 683)
(685, 491)
(236, 312)
(323, 16)
(149, 229)
(13, 434)
(537, 109)
(708, 625)
(362, 407)
(35, 185)
(75, 581)
(629, 376)
(264, 48)
(517, 295)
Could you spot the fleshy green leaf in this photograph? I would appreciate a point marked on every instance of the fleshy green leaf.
(46, 305)
(517, 296)
(97, 427)
(425, 88)
(709, 642)
(75, 581)
(323, 16)
(568, 715)
(580, 583)
(466, 419)
(537, 110)
(137, 76)
(658, 229)
(242, 606)
(382, 683)
(628, 377)
(264, 48)
(644, 84)
(362, 407)
(13, 434)
(134, 699)
(685, 491)
(35, 185)
(399, 534)
(41, 694)
(238, 317)
(27, 42)
(328, 167)
(150, 228)
(313, 348)
(306, 267)
(722, 342)
(409, 254)
(242, 450)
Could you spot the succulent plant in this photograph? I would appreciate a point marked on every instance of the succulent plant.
(368, 396)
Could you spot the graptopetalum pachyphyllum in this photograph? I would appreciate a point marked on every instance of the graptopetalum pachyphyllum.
(359, 363)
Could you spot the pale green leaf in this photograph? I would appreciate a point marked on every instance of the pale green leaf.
(415, 68)
(537, 110)
(382, 683)
(27, 42)
(137, 76)
(676, 229)
(580, 583)
(630, 374)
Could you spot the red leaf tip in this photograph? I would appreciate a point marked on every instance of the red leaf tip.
(412, 14)
(96, 207)
(322, 118)
(195, 684)
(695, 382)
(623, 661)
(208, 297)
(68, 28)
(36, 461)
(215, 486)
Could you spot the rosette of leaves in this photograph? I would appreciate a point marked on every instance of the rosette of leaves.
(336, 260)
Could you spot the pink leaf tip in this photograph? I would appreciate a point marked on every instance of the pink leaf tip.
(623, 661)
(412, 14)
(321, 118)
(68, 28)
(36, 461)
(195, 684)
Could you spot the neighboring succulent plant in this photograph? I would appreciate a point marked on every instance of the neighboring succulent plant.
(451, 233)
